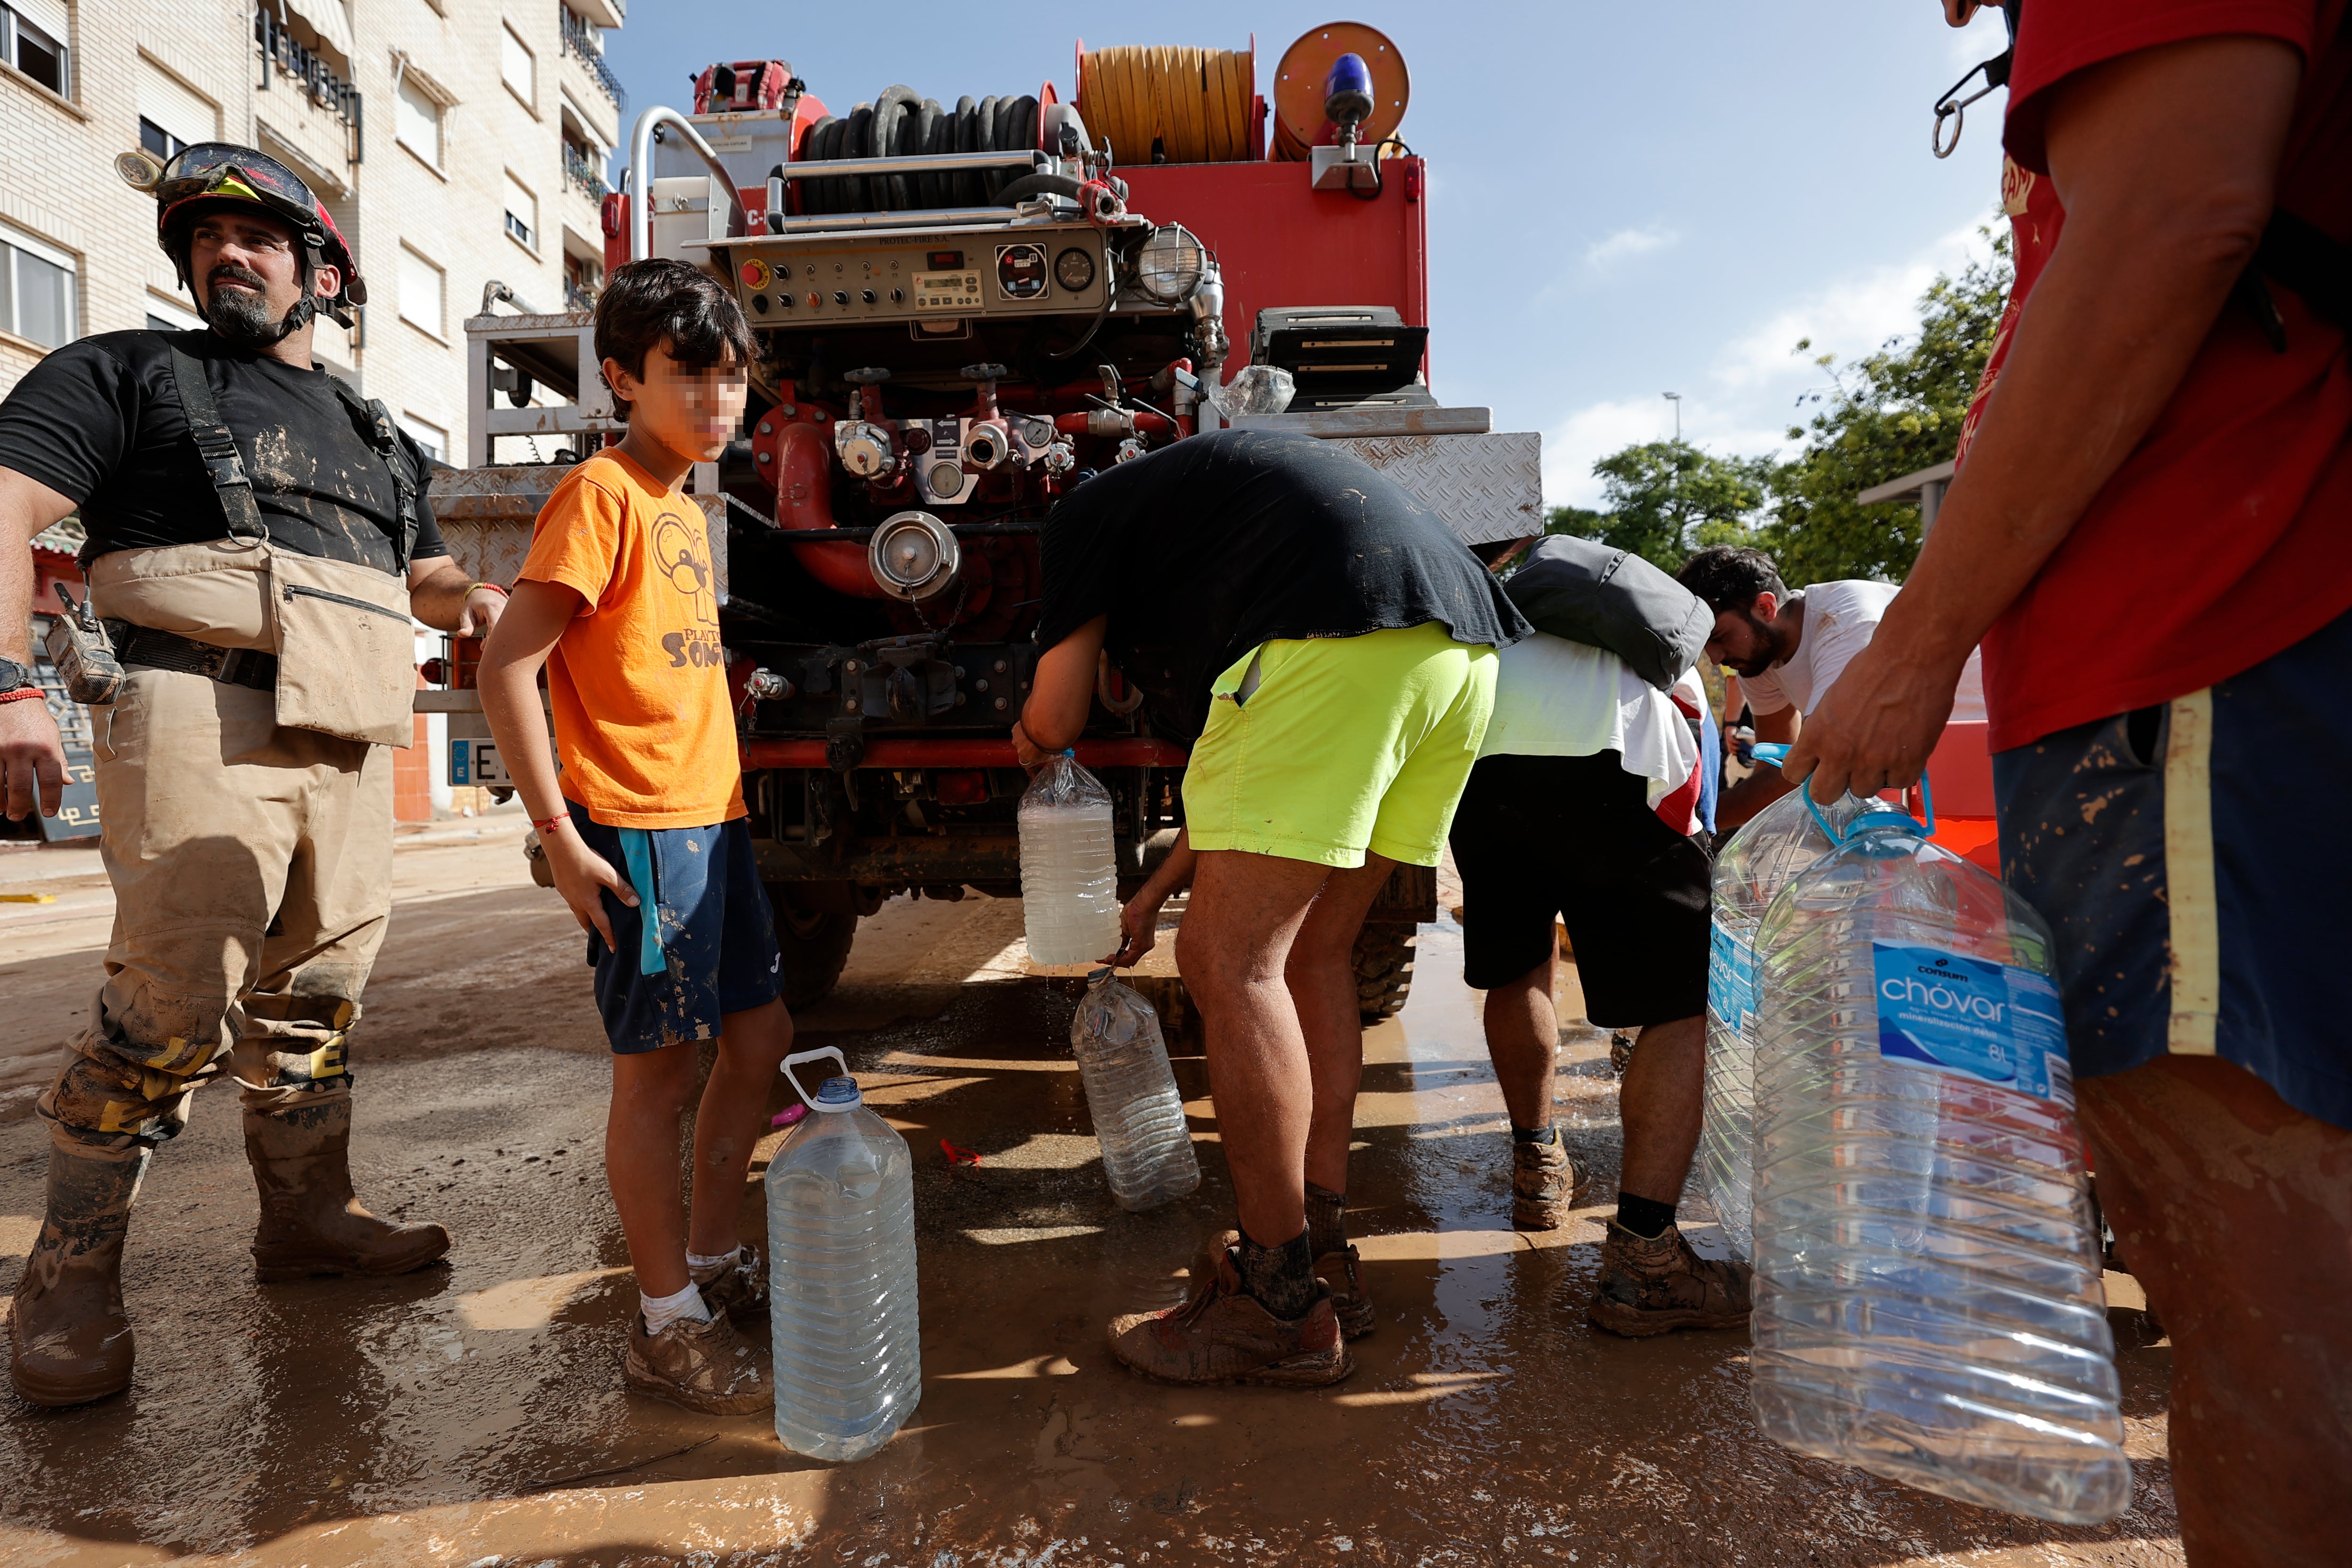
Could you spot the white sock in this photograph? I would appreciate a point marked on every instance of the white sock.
(701, 1264)
(661, 1311)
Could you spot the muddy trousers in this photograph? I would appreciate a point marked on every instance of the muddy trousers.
(252, 872)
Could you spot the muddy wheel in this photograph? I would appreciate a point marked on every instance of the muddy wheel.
(1383, 970)
(814, 943)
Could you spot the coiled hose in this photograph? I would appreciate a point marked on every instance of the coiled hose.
(900, 124)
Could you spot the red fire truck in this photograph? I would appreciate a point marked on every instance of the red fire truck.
(962, 311)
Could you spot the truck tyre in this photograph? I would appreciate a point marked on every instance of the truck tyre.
(1383, 970)
(814, 944)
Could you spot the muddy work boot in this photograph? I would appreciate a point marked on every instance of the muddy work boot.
(698, 1364)
(311, 1222)
(1223, 1335)
(1547, 1181)
(1654, 1285)
(738, 1287)
(73, 1342)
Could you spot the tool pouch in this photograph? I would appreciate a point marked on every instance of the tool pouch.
(346, 654)
(85, 659)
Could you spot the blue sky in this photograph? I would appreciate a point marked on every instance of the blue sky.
(1627, 199)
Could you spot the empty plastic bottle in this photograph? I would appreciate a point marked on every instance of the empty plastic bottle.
(1069, 881)
(1146, 1145)
(1928, 1299)
(1750, 870)
(841, 1290)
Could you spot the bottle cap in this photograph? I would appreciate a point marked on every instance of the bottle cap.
(838, 1094)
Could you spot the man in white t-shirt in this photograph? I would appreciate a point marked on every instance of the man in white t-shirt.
(1788, 649)
(1582, 809)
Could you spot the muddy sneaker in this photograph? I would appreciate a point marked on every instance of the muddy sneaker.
(1349, 1303)
(702, 1365)
(1655, 1285)
(1225, 1335)
(1547, 1181)
(738, 1288)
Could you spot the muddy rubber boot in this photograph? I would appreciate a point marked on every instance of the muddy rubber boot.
(311, 1222)
(73, 1342)
(1547, 1182)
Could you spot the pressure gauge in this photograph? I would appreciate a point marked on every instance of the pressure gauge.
(1073, 269)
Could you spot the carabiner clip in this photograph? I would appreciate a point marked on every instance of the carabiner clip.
(1954, 108)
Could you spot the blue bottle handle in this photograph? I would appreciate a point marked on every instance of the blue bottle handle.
(1775, 753)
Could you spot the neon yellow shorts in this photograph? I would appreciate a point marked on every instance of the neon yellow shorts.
(1345, 744)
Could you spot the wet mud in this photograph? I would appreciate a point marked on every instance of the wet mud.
(473, 1413)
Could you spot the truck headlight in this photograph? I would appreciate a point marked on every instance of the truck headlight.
(1168, 266)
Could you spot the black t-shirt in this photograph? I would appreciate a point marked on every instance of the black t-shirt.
(99, 422)
(1214, 545)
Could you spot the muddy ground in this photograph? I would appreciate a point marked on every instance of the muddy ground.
(473, 1413)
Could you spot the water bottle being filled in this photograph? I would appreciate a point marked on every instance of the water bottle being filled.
(1763, 856)
(1927, 1297)
(1147, 1146)
(841, 1292)
(1069, 880)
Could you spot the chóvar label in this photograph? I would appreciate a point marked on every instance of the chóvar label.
(1991, 1021)
(1730, 977)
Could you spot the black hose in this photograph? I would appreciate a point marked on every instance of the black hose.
(1029, 185)
(900, 124)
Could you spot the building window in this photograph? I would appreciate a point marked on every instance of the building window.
(423, 289)
(417, 123)
(158, 141)
(518, 68)
(583, 281)
(32, 38)
(427, 434)
(522, 214)
(36, 290)
(170, 316)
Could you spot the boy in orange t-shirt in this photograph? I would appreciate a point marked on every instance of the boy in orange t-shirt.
(644, 831)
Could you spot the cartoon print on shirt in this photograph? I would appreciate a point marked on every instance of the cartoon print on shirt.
(682, 553)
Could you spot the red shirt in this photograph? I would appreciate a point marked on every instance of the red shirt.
(2223, 539)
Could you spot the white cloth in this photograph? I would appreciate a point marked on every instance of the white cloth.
(1554, 698)
(1840, 620)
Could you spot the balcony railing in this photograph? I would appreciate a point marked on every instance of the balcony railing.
(580, 40)
(581, 173)
(308, 73)
(580, 296)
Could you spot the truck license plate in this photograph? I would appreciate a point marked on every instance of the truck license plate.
(477, 762)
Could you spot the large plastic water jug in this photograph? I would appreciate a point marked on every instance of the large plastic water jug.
(841, 1260)
(1146, 1145)
(1928, 1296)
(1069, 881)
(1760, 859)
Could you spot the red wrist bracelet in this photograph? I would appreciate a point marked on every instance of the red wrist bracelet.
(21, 694)
(544, 828)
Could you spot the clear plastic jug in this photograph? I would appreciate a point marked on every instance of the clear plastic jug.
(841, 1273)
(1928, 1296)
(1146, 1145)
(1069, 878)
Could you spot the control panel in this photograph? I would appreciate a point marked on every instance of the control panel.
(1034, 270)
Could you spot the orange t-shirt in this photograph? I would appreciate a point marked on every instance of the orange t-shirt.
(637, 683)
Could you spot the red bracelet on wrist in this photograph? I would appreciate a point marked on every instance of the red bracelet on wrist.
(21, 694)
(547, 827)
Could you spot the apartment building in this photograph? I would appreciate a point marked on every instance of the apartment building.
(458, 143)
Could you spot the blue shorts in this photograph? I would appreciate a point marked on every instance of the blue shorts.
(2184, 857)
(711, 952)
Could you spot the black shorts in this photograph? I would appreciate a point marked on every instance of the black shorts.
(1575, 837)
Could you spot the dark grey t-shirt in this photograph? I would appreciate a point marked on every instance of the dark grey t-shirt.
(98, 422)
(1213, 544)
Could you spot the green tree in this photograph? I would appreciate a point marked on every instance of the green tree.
(1663, 499)
(1883, 415)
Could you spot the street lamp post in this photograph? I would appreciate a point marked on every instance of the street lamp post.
(1677, 399)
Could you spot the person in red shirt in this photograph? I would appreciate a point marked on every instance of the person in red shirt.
(2147, 531)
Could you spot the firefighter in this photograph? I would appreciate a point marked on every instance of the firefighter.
(258, 540)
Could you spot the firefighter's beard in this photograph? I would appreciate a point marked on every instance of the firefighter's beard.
(242, 315)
